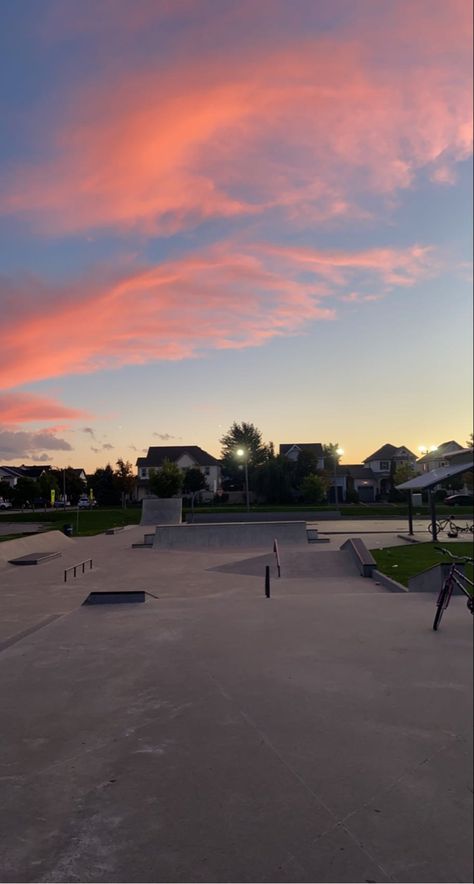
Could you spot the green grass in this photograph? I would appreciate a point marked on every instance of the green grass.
(4, 537)
(89, 522)
(402, 562)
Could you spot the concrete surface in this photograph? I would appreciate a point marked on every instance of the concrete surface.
(162, 511)
(211, 734)
(232, 535)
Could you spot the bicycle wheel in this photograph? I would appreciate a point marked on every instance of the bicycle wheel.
(442, 603)
(430, 527)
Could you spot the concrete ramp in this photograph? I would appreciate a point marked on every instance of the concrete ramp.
(296, 563)
(236, 535)
(161, 511)
(47, 542)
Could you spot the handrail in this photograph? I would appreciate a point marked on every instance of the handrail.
(277, 556)
(75, 567)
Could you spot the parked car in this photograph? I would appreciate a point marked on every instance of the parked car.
(85, 503)
(5, 504)
(459, 500)
(59, 504)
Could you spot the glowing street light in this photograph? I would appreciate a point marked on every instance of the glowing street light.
(241, 452)
(425, 450)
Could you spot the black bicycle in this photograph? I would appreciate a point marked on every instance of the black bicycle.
(455, 578)
(453, 529)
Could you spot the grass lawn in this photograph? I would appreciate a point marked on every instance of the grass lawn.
(402, 562)
(88, 521)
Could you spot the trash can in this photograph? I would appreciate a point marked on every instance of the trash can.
(67, 530)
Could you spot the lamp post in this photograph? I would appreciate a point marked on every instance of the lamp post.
(241, 452)
(337, 454)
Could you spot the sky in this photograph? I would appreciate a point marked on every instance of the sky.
(216, 211)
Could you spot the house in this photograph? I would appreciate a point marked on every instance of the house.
(357, 478)
(385, 461)
(12, 474)
(293, 450)
(434, 460)
(185, 457)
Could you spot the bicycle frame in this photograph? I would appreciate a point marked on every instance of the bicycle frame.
(454, 578)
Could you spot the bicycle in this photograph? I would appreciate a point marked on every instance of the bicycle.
(453, 529)
(455, 578)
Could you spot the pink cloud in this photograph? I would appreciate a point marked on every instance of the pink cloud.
(308, 128)
(227, 297)
(17, 408)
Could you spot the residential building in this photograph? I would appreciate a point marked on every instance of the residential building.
(185, 457)
(292, 451)
(385, 461)
(12, 474)
(357, 478)
(434, 460)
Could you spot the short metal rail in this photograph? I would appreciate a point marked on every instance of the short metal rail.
(74, 568)
(277, 556)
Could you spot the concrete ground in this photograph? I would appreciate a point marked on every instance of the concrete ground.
(211, 734)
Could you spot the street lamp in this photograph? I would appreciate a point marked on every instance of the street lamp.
(241, 452)
(337, 454)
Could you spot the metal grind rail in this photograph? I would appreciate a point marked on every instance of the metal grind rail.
(74, 568)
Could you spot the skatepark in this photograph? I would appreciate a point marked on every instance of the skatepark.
(210, 733)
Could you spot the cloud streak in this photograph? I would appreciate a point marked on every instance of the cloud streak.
(16, 444)
(17, 408)
(232, 297)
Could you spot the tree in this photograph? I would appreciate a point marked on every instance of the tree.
(470, 441)
(273, 480)
(330, 455)
(124, 478)
(403, 473)
(104, 487)
(6, 491)
(306, 464)
(167, 481)
(194, 481)
(71, 482)
(48, 482)
(244, 436)
(313, 488)
(25, 491)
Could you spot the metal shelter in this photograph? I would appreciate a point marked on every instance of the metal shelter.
(427, 482)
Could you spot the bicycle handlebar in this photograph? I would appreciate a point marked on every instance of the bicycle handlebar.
(446, 552)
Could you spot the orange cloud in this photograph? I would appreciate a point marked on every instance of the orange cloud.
(220, 299)
(17, 408)
(308, 128)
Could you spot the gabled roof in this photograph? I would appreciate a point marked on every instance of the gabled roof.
(159, 453)
(442, 450)
(314, 447)
(387, 452)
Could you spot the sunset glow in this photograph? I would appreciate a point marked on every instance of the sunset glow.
(217, 212)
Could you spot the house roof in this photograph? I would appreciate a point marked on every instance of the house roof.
(443, 449)
(387, 452)
(314, 447)
(159, 453)
(27, 472)
(356, 471)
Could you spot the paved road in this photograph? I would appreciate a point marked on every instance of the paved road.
(212, 734)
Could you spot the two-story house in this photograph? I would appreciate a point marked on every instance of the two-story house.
(437, 458)
(385, 461)
(185, 457)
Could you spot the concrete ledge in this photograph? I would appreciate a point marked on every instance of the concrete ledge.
(237, 535)
(115, 530)
(410, 538)
(388, 582)
(34, 558)
(361, 555)
(300, 516)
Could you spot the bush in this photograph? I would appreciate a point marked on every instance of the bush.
(167, 482)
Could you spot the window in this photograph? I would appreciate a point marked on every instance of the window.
(384, 464)
(144, 472)
(207, 470)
